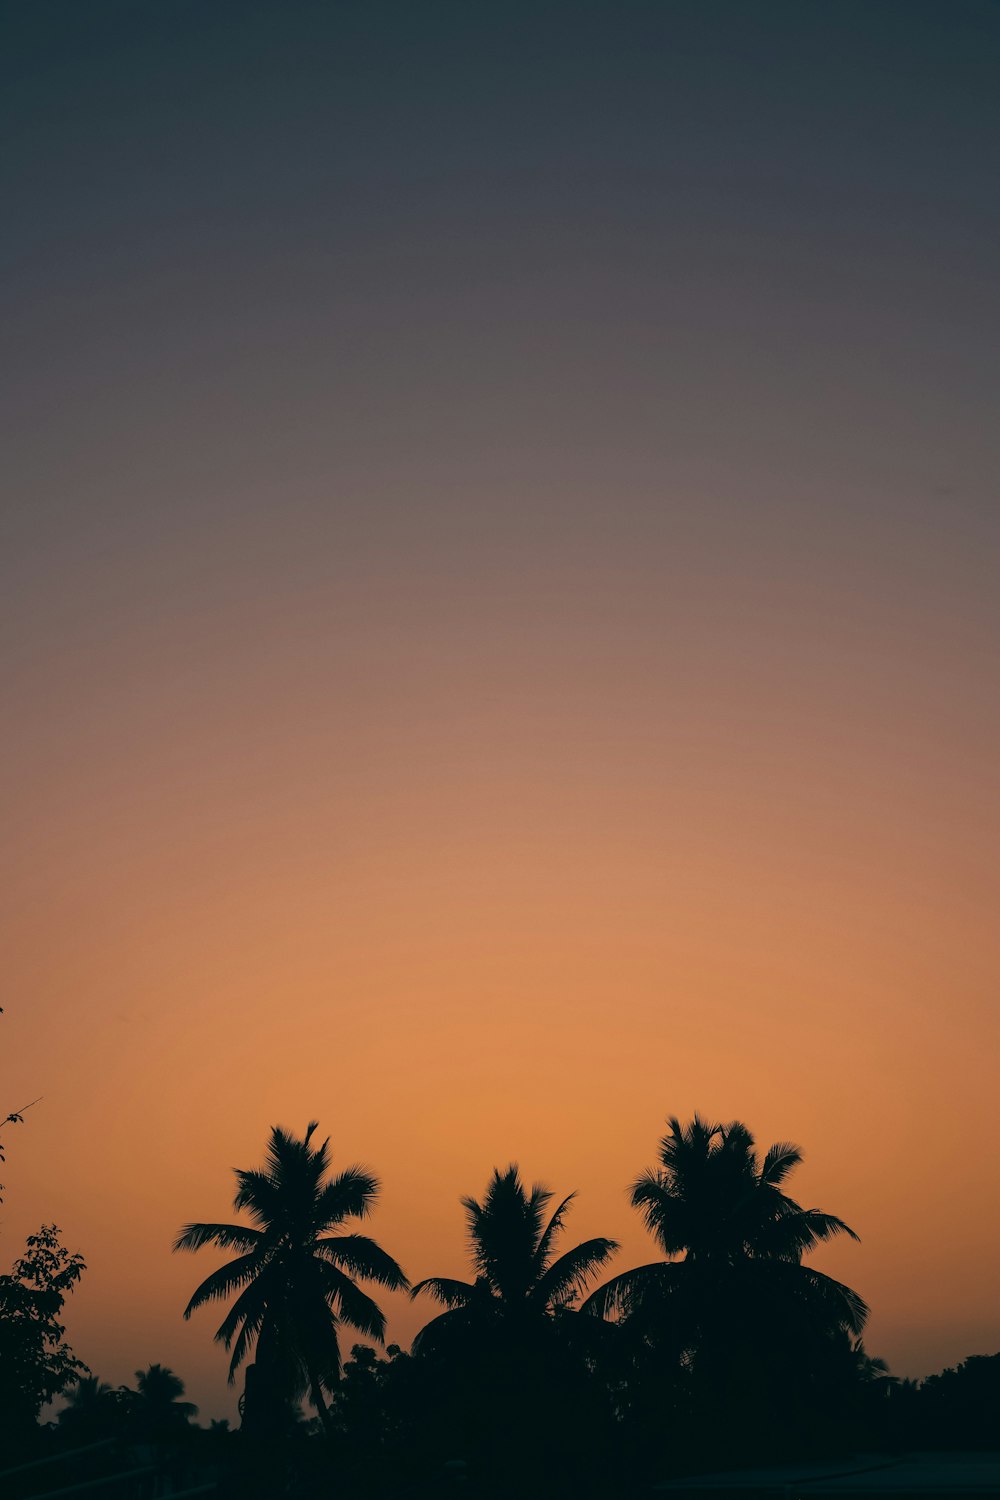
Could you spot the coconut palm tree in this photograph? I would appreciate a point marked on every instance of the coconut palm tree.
(93, 1409)
(518, 1287)
(508, 1364)
(84, 1392)
(158, 1405)
(731, 1333)
(295, 1269)
(740, 1238)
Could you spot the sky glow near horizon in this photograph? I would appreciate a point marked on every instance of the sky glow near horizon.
(500, 615)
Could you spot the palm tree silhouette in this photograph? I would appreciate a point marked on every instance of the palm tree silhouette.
(508, 1363)
(158, 1406)
(713, 1202)
(294, 1276)
(518, 1285)
(731, 1321)
(92, 1409)
(84, 1392)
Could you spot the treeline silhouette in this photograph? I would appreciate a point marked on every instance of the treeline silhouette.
(532, 1377)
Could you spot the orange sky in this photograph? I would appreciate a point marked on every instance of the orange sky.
(501, 667)
(471, 889)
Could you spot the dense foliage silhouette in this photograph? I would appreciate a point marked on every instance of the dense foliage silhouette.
(36, 1362)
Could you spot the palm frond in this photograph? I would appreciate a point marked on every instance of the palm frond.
(680, 1145)
(260, 1195)
(664, 1211)
(447, 1334)
(449, 1293)
(226, 1279)
(534, 1206)
(352, 1304)
(825, 1226)
(350, 1195)
(779, 1160)
(570, 1275)
(624, 1294)
(251, 1301)
(226, 1236)
(285, 1155)
(248, 1334)
(548, 1235)
(363, 1257)
(851, 1310)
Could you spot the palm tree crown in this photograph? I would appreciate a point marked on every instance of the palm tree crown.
(294, 1269)
(713, 1201)
(517, 1279)
(159, 1398)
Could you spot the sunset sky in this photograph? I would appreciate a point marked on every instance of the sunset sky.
(500, 622)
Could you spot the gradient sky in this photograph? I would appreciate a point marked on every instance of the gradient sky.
(500, 615)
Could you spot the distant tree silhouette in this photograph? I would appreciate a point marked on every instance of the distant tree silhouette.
(158, 1407)
(732, 1305)
(92, 1410)
(153, 1411)
(960, 1407)
(86, 1393)
(871, 1370)
(294, 1277)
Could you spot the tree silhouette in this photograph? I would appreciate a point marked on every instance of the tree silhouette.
(158, 1406)
(509, 1357)
(517, 1280)
(294, 1276)
(86, 1393)
(713, 1202)
(958, 1408)
(36, 1363)
(93, 1410)
(745, 1327)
